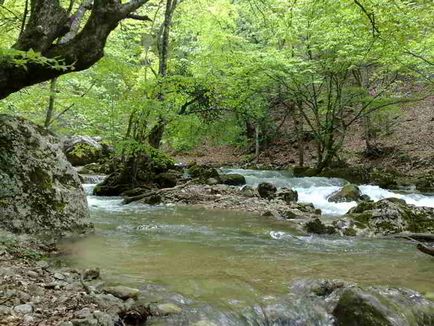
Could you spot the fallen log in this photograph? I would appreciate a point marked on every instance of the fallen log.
(425, 237)
(425, 249)
(128, 200)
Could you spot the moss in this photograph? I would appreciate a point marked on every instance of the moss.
(81, 150)
(356, 308)
(41, 178)
(350, 232)
(361, 220)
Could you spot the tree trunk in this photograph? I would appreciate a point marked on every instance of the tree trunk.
(257, 143)
(157, 131)
(299, 129)
(48, 21)
(156, 135)
(51, 100)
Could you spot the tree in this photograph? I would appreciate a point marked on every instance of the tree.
(36, 57)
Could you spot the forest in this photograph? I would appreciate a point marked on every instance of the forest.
(226, 162)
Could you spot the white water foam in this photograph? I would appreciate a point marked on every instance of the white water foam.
(316, 190)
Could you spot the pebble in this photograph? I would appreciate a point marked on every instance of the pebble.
(42, 264)
(32, 274)
(23, 309)
(59, 276)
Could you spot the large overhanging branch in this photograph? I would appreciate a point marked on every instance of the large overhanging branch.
(49, 22)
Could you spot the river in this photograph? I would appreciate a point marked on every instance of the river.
(231, 259)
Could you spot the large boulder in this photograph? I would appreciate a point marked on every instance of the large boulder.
(348, 193)
(40, 190)
(267, 190)
(391, 215)
(82, 150)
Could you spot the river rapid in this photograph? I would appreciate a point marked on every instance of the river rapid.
(233, 259)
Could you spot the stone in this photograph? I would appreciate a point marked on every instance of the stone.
(91, 274)
(59, 276)
(41, 192)
(83, 150)
(233, 179)
(167, 179)
(358, 308)
(390, 216)
(267, 190)
(122, 292)
(212, 181)
(168, 309)
(23, 309)
(318, 227)
(202, 172)
(4, 310)
(348, 193)
(288, 195)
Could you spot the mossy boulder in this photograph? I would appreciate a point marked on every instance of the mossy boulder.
(233, 179)
(203, 172)
(392, 215)
(359, 308)
(348, 193)
(351, 305)
(83, 150)
(41, 191)
(425, 183)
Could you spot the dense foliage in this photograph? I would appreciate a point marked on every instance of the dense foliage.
(236, 70)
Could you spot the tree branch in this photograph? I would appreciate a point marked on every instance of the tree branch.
(49, 21)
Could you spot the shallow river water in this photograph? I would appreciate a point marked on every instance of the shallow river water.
(231, 259)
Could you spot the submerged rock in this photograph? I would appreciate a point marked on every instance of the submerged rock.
(267, 190)
(40, 191)
(391, 215)
(348, 193)
(350, 304)
(356, 307)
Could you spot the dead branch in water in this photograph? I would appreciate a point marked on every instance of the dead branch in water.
(128, 200)
(425, 249)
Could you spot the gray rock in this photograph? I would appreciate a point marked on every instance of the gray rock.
(288, 195)
(4, 310)
(122, 292)
(391, 215)
(23, 309)
(348, 193)
(356, 307)
(233, 179)
(82, 150)
(40, 192)
(91, 274)
(267, 190)
(212, 181)
(168, 309)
